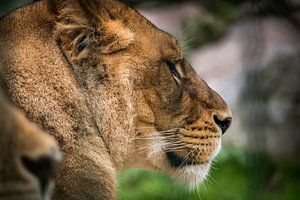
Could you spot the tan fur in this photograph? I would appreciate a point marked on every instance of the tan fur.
(20, 139)
(94, 73)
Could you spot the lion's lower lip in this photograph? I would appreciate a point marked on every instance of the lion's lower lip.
(177, 161)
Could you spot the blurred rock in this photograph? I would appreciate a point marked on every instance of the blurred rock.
(271, 99)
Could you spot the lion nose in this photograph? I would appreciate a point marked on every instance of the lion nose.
(224, 124)
(43, 168)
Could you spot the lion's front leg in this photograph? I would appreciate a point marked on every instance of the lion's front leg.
(88, 172)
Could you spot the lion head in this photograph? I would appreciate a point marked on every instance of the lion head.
(114, 90)
(172, 120)
(28, 157)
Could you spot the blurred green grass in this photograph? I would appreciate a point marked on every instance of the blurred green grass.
(235, 176)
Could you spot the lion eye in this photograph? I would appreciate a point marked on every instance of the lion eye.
(176, 70)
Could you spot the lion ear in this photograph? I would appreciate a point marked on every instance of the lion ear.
(85, 25)
(114, 36)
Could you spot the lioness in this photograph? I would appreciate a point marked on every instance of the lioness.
(28, 157)
(114, 90)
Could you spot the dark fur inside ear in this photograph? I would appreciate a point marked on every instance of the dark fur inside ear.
(74, 28)
(81, 45)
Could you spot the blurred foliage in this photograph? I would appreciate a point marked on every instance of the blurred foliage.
(204, 30)
(235, 176)
(209, 27)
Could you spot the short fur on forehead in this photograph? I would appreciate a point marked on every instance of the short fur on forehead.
(86, 25)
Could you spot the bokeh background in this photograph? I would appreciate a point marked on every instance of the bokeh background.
(249, 52)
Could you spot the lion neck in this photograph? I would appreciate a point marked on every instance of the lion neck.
(111, 106)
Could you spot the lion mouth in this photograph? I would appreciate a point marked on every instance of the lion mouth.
(178, 162)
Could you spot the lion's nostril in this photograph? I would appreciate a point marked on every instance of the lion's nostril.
(223, 124)
(43, 169)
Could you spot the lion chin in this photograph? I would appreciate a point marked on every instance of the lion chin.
(187, 172)
(192, 176)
